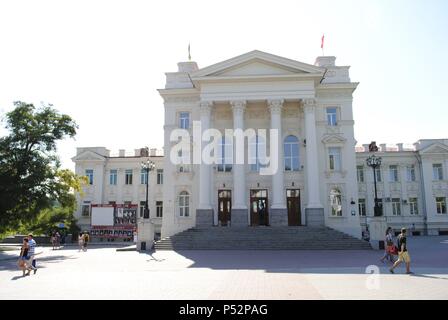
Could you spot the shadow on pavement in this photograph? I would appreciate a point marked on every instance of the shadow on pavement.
(11, 264)
(427, 256)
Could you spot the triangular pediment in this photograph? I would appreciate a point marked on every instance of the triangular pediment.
(88, 156)
(436, 148)
(333, 139)
(257, 63)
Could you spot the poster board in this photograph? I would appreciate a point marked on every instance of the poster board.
(102, 216)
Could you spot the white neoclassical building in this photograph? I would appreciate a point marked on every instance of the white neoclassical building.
(322, 178)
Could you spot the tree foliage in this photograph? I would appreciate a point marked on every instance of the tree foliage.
(31, 179)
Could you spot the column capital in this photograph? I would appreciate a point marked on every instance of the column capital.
(238, 104)
(205, 107)
(238, 107)
(309, 105)
(275, 106)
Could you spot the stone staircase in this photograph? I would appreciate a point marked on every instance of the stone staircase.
(261, 238)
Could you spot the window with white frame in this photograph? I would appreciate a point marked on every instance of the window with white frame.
(128, 176)
(89, 175)
(225, 154)
(334, 158)
(410, 173)
(159, 209)
(257, 150)
(332, 116)
(393, 173)
(291, 153)
(378, 175)
(184, 204)
(184, 120)
(360, 173)
(437, 170)
(159, 176)
(441, 205)
(362, 206)
(396, 206)
(413, 206)
(113, 177)
(85, 209)
(143, 176)
(336, 202)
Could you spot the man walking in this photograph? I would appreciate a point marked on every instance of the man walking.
(32, 251)
(403, 254)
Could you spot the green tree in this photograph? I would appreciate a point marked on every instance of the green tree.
(30, 176)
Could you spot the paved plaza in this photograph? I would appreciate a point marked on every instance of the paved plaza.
(104, 273)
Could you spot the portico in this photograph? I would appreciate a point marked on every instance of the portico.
(276, 190)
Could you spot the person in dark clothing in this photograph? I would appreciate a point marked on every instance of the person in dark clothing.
(403, 254)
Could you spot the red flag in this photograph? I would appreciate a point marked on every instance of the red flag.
(322, 43)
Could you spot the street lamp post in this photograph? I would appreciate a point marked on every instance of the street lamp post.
(147, 166)
(375, 162)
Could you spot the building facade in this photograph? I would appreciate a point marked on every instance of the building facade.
(322, 179)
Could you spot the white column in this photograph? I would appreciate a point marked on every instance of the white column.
(312, 171)
(204, 169)
(278, 196)
(239, 174)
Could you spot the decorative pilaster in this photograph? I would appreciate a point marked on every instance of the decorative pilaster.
(204, 169)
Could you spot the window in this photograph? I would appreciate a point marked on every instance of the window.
(441, 205)
(380, 205)
(362, 207)
(291, 152)
(128, 176)
(159, 209)
(225, 155)
(437, 171)
(378, 174)
(332, 116)
(360, 173)
(113, 177)
(159, 176)
(184, 204)
(85, 209)
(89, 175)
(410, 173)
(143, 176)
(393, 173)
(184, 120)
(396, 206)
(413, 206)
(142, 208)
(257, 150)
(334, 155)
(336, 202)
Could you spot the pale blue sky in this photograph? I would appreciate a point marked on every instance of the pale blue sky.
(102, 61)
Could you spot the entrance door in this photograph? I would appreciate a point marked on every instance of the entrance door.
(259, 215)
(293, 205)
(224, 206)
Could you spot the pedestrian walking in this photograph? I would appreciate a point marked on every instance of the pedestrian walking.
(389, 248)
(32, 251)
(86, 239)
(58, 240)
(53, 240)
(24, 262)
(81, 241)
(403, 254)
